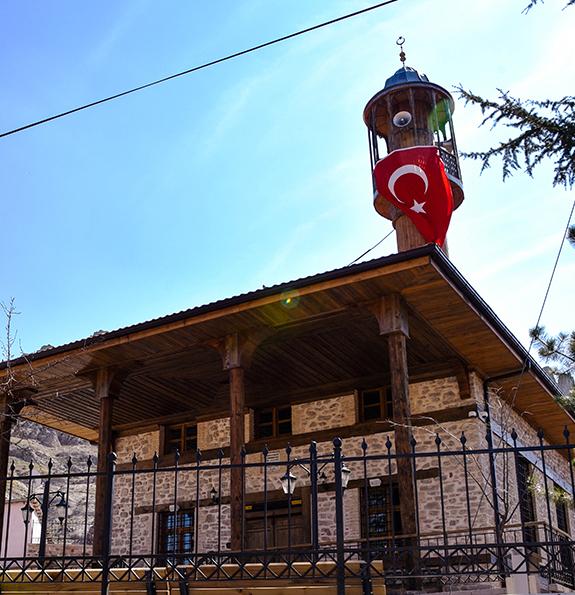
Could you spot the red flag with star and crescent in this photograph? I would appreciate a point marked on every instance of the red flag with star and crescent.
(414, 180)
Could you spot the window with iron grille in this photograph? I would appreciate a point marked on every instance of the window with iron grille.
(273, 422)
(382, 510)
(562, 516)
(526, 502)
(375, 403)
(177, 532)
(182, 437)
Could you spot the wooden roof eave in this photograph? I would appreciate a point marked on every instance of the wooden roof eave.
(76, 353)
(535, 397)
(438, 275)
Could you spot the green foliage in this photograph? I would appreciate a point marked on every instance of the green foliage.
(556, 495)
(559, 351)
(546, 130)
(532, 3)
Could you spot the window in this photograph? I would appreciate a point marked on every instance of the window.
(383, 514)
(563, 563)
(183, 437)
(375, 403)
(561, 500)
(177, 532)
(526, 502)
(273, 422)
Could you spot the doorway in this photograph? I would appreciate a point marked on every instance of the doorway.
(287, 527)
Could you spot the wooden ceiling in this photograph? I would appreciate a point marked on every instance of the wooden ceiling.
(321, 337)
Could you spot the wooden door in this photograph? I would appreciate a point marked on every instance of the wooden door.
(284, 529)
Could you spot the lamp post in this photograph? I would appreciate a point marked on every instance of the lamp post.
(46, 499)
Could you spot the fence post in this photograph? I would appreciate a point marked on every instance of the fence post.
(314, 509)
(493, 477)
(45, 508)
(107, 526)
(339, 530)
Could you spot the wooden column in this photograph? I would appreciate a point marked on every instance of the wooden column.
(11, 403)
(408, 236)
(5, 434)
(237, 441)
(237, 351)
(393, 325)
(106, 386)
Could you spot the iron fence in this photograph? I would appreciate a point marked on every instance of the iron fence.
(327, 512)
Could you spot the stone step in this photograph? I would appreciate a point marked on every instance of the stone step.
(173, 589)
(465, 590)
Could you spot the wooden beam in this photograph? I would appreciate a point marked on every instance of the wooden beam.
(237, 351)
(237, 440)
(37, 415)
(107, 382)
(11, 403)
(462, 376)
(391, 316)
(361, 429)
(383, 271)
(403, 432)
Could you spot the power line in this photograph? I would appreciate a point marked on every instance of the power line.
(563, 238)
(200, 67)
(372, 248)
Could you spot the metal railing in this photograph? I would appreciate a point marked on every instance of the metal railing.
(450, 162)
(340, 522)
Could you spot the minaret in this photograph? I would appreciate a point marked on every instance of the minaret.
(411, 111)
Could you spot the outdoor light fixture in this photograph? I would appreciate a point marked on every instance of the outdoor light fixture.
(289, 480)
(345, 475)
(288, 483)
(61, 507)
(27, 511)
(45, 500)
(214, 495)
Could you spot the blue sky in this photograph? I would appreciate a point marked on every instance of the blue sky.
(255, 171)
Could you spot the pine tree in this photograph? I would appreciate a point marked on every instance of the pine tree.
(534, 2)
(544, 130)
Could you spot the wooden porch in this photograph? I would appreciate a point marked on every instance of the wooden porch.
(164, 581)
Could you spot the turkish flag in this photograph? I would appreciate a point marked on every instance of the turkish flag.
(414, 180)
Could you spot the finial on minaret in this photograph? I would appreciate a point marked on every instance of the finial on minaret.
(400, 41)
(411, 120)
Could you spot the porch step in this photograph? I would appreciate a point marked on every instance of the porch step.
(79, 589)
(132, 581)
(163, 588)
(485, 589)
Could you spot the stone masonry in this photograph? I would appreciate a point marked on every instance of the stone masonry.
(333, 413)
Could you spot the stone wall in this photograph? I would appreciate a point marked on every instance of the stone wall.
(444, 479)
(215, 433)
(323, 415)
(142, 445)
(556, 464)
(434, 395)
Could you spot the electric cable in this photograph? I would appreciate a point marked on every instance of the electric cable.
(527, 357)
(372, 248)
(200, 67)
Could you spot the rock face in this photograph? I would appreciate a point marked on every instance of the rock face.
(31, 442)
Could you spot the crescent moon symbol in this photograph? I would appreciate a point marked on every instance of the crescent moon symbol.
(402, 171)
